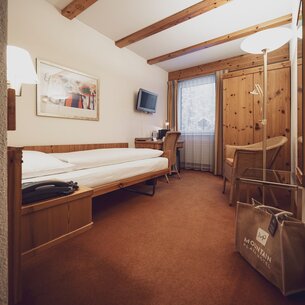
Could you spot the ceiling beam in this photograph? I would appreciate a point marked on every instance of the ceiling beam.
(222, 39)
(184, 15)
(231, 64)
(76, 7)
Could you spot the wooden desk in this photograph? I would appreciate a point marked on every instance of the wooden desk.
(149, 143)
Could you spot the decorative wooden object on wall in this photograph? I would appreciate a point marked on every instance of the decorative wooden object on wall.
(242, 110)
(11, 109)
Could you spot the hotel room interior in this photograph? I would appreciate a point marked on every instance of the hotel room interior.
(148, 151)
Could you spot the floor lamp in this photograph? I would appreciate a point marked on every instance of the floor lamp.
(265, 42)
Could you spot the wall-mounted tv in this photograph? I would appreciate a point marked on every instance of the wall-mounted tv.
(146, 101)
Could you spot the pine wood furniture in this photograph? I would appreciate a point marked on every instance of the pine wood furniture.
(109, 187)
(48, 222)
(70, 217)
(149, 143)
(242, 110)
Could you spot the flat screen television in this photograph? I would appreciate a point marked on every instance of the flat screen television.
(146, 101)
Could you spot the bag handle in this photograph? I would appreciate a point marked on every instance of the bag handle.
(279, 211)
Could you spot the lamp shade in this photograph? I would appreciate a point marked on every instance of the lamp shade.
(20, 68)
(269, 40)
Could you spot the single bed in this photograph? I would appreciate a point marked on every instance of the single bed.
(100, 169)
(48, 222)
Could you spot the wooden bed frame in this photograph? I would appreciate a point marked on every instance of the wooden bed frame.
(16, 211)
(109, 187)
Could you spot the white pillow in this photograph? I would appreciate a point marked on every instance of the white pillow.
(107, 156)
(36, 164)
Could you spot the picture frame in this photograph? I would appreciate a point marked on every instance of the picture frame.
(66, 93)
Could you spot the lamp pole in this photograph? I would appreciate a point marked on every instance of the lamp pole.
(261, 43)
(264, 119)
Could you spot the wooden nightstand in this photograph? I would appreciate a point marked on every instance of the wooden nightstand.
(48, 222)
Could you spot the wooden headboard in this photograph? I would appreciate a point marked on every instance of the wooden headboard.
(73, 147)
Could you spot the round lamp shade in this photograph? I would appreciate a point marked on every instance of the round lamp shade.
(269, 40)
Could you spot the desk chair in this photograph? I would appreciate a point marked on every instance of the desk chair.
(169, 144)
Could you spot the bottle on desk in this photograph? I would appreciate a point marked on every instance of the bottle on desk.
(154, 135)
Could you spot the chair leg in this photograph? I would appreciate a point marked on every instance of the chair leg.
(232, 191)
(224, 184)
(166, 177)
(177, 172)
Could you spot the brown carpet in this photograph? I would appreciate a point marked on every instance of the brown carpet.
(176, 248)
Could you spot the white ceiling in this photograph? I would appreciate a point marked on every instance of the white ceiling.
(119, 18)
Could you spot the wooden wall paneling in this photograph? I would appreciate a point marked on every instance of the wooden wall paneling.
(278, 111)
(231, 64)
(275, 66)
(300, 116)
(300, 98)
(238, 110)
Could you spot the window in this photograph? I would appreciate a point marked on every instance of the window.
(196, 105)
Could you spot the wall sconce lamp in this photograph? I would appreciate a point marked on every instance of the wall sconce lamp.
(20, 70)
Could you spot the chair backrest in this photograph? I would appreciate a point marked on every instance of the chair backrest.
(253, 157)
(169, 144)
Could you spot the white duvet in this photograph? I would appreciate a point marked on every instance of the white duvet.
(96, 176)
(106, 156)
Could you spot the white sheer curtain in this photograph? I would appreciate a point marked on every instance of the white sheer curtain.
(196, 121)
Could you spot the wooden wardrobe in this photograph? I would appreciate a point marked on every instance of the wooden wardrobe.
(242, 111)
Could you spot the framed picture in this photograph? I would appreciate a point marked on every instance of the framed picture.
(65, 93)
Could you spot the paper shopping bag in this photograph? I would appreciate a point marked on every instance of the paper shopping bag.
(273, 243)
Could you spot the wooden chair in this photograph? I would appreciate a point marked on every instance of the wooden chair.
(239, 158)
(169, 144)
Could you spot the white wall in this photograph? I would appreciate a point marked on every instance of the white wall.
(38, 27)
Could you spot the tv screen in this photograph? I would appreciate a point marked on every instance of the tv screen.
(147, 101)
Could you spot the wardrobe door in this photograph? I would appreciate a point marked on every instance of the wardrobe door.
(238, 110)
(278, 111)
